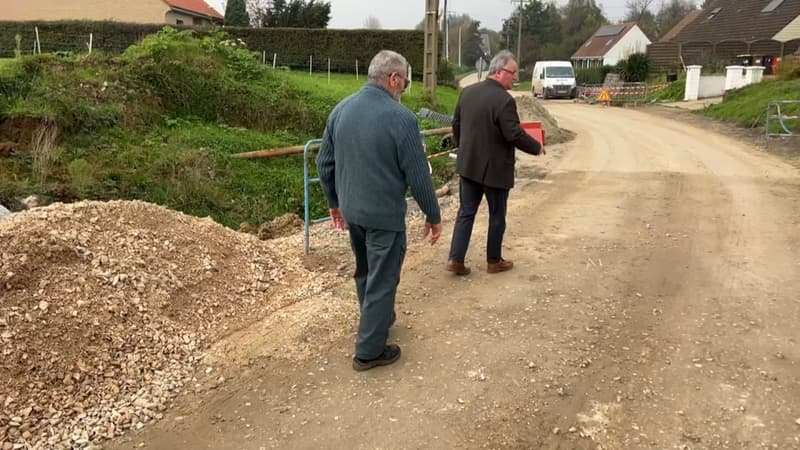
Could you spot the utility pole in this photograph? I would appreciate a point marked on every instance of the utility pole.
(459, 45)
(446, 34)
(519, 31)
(430, 56)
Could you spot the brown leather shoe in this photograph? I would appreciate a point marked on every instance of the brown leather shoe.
(501, 266)
(458, 268)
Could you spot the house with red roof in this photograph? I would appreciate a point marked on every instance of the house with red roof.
(173, 12)
(611, 44)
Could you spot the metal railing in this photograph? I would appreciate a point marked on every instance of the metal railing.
(780, 114)
(306, 199)
(314, 144)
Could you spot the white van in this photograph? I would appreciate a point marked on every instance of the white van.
(553, 79)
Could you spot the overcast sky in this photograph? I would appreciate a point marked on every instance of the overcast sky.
(406, 14)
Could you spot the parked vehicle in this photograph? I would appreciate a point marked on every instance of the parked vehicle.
(553, 79)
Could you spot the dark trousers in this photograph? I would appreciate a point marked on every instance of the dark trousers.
(379, 258)
(470, 195)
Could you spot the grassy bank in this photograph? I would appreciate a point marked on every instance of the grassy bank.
(160, 123)
(747, 106)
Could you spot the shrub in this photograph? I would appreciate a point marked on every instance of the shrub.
(789, 69)
(635, 69)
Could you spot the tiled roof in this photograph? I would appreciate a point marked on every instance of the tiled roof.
(603, 40)
(740, 20)
(196, 6)
(676, 30)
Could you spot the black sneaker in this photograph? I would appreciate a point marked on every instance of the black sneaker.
(391, 353)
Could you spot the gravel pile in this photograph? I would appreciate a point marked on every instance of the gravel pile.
(530, 108)
(106, 309)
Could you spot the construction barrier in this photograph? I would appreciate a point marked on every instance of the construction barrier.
(618, 93)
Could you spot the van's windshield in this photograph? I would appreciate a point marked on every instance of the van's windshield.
(558, 72)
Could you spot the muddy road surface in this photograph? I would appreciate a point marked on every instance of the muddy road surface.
(654, 303)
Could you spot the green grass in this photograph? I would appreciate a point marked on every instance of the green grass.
(747, 106)
(675, 91)
(161, 123)
(523, 86)
(5, 64)
(316, 87)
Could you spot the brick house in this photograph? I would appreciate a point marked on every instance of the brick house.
(174, 12)
(762, 30)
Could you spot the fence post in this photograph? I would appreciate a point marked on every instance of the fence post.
(264, 57)
(310, 63)
(692, 90)
(409, 78)
(274, 59)
(90, 43)
(37, 46)
(356, 69)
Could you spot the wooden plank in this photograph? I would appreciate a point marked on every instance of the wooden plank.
(295, 149)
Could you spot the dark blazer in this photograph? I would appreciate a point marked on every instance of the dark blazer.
(486, 130)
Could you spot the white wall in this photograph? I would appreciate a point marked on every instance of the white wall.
(711, 86)
(634, 41)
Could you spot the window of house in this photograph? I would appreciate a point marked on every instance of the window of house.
(714, 12)
(196, 21)
(772, 5)
(178, 22)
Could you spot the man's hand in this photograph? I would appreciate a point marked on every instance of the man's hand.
(434, 230)
(337, 221)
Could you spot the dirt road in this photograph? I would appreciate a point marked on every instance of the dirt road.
(654, 304)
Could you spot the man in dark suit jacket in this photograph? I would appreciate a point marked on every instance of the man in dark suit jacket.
(486, 130)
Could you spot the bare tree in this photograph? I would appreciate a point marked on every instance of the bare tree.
(639, 12)
(258, 11)
(372, 23)
(638, 8)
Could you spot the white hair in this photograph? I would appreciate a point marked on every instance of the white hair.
(500, 61)
(385, 63)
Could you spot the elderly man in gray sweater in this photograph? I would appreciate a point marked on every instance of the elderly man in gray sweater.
(371, 153)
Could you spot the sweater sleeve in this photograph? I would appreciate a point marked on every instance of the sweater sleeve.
(326, 164)
(512, 131)
(414, 164)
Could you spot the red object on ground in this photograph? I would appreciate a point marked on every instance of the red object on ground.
(535, 130)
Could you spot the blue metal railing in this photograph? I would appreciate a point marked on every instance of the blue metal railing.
(777, 112)
(307, 201)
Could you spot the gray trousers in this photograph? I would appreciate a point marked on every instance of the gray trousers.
(379, 258)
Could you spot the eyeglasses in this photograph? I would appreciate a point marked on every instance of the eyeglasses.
(406, 81)
(510, 72)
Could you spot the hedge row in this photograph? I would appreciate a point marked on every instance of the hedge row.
(293, 45)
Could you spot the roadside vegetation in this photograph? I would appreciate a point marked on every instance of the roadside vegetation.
(747, 107)
(160, 122)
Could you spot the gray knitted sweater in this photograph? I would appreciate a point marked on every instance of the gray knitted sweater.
(371, 153)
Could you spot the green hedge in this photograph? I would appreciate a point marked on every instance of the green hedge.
(292, 45)
(593, 75)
